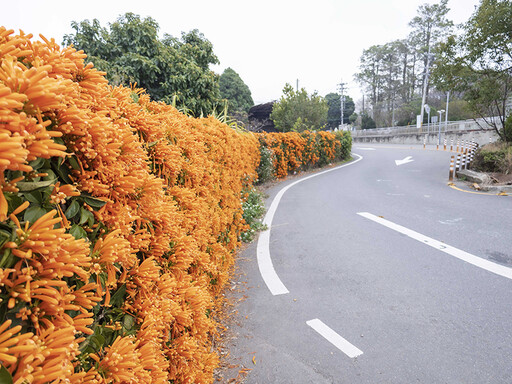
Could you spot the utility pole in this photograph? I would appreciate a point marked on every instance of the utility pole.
(342, 99)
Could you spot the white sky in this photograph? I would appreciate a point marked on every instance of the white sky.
(268, 42)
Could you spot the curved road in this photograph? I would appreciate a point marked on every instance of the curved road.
(392, 277)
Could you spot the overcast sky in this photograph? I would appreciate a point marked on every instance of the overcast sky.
(268, 42)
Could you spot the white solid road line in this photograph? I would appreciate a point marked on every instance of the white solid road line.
(365, 149)
(498, 269)
(339, 342)
(266, 267)
(274, 284)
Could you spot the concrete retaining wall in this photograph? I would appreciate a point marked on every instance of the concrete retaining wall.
(479, 136)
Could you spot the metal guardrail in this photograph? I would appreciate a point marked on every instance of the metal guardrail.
(453, 126)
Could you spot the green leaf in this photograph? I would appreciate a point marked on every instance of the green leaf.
(51, 174)
(4, 237)
(62, 170)
(93, 202)
(27, 186)
(13, 201)
(128, 322)
(33, 213)
(35, 197)
(5, 376)
(117, 298)
(134, 97)
(109, 335)
(72, 210)
(97, 341)
(86, 216)
(38, 163)
(74, 163)
(78, 232)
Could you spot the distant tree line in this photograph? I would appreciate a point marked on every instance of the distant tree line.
(394, 75)
(174, 70)
(473, 62)
(177, 71)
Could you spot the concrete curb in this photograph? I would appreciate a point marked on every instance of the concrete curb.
(484, 181)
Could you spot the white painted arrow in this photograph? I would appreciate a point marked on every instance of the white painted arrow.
(408, 159)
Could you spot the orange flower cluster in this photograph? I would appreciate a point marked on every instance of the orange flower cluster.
(298, 151)
(119, 218)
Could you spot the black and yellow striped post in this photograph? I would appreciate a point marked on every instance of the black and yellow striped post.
(450, 175)
(444, 144)
(457, 164)
(471, 153)
(451, 146)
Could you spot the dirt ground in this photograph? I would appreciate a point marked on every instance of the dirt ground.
(501, 178)
(231, 370)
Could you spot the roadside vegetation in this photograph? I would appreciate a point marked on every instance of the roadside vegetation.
(494, 158)
(253, 211)
(120, 217)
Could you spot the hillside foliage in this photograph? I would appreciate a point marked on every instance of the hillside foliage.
(173, 70)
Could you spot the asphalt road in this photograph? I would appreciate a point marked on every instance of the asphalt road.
(381, 289)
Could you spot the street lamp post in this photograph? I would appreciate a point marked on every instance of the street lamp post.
(439, 134)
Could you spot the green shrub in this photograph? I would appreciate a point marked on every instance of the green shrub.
(253, 210)
(346, 145)
(266, 167)
(496, 157)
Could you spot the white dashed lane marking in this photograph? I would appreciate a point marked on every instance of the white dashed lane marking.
(479, 262)
(331, 336)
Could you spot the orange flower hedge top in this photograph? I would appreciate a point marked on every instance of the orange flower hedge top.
(295, 151)
(119, 217)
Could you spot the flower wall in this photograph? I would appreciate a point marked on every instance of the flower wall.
(118, 221)
(295, 151)
(119, 218)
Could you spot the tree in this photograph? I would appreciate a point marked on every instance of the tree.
(298, 111)
(190, 79)
(479, 63)
(334, 112)
(387, 76)
(353, 118)
(131, 52)
(429, 27)
(388, 73)
(370, 73)
(235, 91)
(367, 122)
